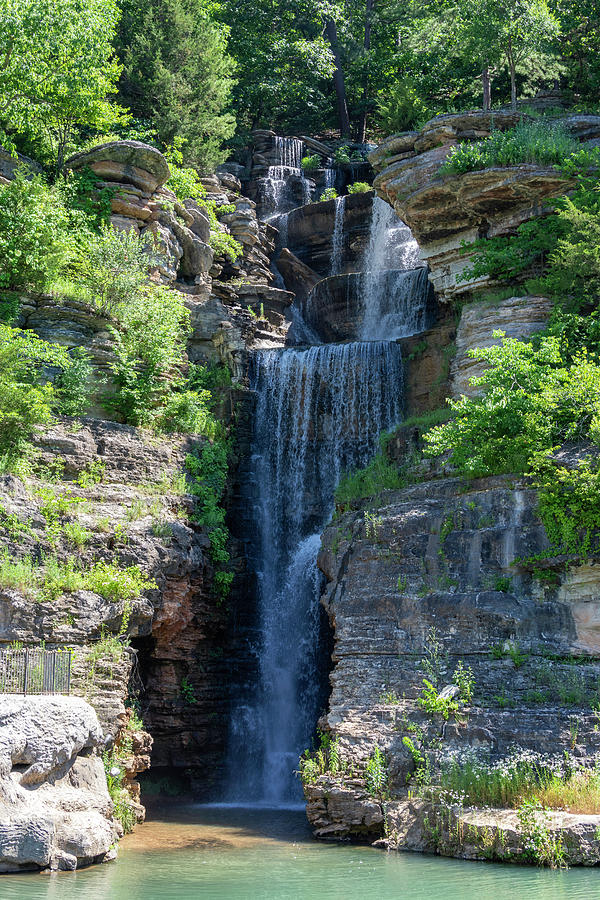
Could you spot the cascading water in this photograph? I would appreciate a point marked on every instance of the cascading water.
(275, 193)
(394, 303)
(337, 240)
(319, 412)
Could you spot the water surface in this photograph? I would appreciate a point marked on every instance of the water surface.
(233, 854)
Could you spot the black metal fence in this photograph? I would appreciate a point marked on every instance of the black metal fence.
(35, 671)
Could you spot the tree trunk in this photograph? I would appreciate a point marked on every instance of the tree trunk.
(513, 75)
(362, 124)
(338, 79)
(487, 88)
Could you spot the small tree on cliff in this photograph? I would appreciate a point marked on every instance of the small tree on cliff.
(509, 31)
(57, 68)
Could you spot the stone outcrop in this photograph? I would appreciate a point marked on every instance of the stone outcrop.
(310, 231)
(517, 317)
(434, 569)
(446, 211)
(487, 834)
(55, 810)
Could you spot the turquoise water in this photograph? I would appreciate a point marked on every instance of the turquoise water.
(229, 854)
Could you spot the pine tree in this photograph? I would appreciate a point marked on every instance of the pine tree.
(177, 75)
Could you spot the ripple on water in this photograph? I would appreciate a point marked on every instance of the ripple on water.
(223, 853)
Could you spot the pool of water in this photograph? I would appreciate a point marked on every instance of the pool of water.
(250, 854)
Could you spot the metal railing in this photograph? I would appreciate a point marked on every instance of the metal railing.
(31, 671)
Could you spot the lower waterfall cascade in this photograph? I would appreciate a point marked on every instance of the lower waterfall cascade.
(319, 413)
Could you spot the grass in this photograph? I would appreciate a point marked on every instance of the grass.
(523, 778)
(379, 475)
(52, 578)
(540, 142)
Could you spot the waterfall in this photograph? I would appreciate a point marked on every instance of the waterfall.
(337, 240)
(394, 302)
(275, 194)
(319, 412)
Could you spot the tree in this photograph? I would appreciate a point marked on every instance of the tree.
(177, 74)
(513, 31)
(284, 64)
(57, 68)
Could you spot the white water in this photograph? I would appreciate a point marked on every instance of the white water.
(337, 240)
(394, 302)
(276, 196)
(319, 412)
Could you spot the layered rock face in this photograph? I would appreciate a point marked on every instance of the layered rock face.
(434, 570)
(55, 811)
(443, 212)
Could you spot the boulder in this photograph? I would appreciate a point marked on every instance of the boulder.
(129, 162)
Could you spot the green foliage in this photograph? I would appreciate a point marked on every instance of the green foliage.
(562, 250)
(433, 703)
(149, 345)
(328, 194)
(185, 184)
(541, 846)
(58, 69)
(402, 108)
(464, 680)
(359, 187)
(113, 583)
(342, 154)
(310, 163)
(569, 505)
(379, 475)
(33, 220)
(83, 192)
(92, 474)
(112, 266)
(187, 692)
(376, 773)
(325, 760)
(27, 399)
(178, 74)
(532, 402)
(114, 769)
(539, 141)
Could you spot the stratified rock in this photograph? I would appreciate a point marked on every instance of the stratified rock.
(517, 317)
(445, 212)
(298, 277)
(129, 162)
(339, 811)
(55, 812)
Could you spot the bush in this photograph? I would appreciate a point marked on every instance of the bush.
(155, 323)
(532, 402)
(33, 233)
(328, 194)
(310, 163)
(113, 267)
(359, 187)
(27, 398)
(539, 142)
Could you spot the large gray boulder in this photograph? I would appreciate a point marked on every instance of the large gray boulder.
(55, 810)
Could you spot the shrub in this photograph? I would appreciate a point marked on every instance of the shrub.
(540, 142)
(155, 324)
(532, 401)
(376, 773)
(33, 233)
(328, 194)
(342, 154)
(359, 187)
(310, 163)
(113, 267)
(27, 399)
